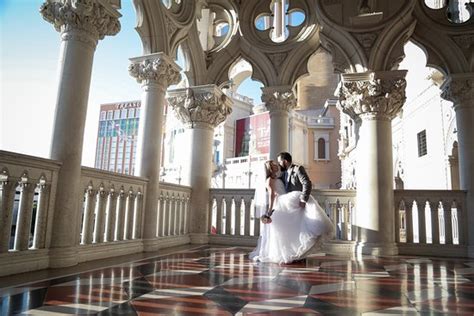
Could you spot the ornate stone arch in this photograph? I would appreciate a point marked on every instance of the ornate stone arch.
(448, 46)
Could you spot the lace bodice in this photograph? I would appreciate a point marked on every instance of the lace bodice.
(279, 187)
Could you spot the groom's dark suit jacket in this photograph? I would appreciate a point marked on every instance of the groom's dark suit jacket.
(298, 180)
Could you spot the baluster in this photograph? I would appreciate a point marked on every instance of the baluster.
(182, 205)
(228, 215)
(421, 223)
(238, 215)
(397, 221)
(434, 223)
(110, 220)
(448, 223)
(409, 221)
(179, 215)
(462, 221)
(177, 205)
(256, 224)
(7, 198)
(23, 223)
(100, 215)
(350, 217)
(88, 220)
(172, 217)
(39, 232)
(169, 203)
(162, 219)
(166, 215)
(186, 215)
(248, 205)
(119, 220)
(176, 217)
(129, 214)
(455, 223)
(137, 215)
(219, 215)
(335, 217)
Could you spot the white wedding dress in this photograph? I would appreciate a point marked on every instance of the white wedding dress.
(293, 230)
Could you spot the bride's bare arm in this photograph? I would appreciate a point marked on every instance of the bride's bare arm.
(271, 194)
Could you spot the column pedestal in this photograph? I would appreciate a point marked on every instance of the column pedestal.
(374, 98)
(459, 89)
(81, 27)
(155, 72)
(201, 109)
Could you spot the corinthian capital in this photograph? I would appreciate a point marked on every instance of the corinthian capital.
(279, 98)
(459, 88)
(84, 20)
(200, 106)
(373, 95)
(155, 68)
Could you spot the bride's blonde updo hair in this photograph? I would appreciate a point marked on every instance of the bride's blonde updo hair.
(268, 168)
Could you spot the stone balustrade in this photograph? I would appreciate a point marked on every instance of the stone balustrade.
(173, 211)
(233, 217)
(431, 222)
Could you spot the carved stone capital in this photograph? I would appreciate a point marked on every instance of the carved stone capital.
(372, 95)
(279, 98)
(155, 68)
(83, 20)
(459, 89)
(200, 106)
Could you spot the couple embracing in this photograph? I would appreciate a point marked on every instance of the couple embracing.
(293, 220)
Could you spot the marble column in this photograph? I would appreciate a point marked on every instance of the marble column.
(375, 98)
(81, 24)
(459, 88)
(279, 101)
(200, 109)
(155, 72)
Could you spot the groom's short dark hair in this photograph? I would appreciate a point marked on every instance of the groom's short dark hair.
(285, 156)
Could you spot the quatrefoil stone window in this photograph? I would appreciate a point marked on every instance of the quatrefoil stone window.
(279, 19)
(457, 11)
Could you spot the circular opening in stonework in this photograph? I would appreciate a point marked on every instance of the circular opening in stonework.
(263, 22)
(296, 17)
(222, 29)
(459, 12)
(436, 4)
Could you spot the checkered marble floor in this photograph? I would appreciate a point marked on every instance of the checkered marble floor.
(222, 281)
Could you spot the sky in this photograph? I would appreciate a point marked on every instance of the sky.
(29, 50)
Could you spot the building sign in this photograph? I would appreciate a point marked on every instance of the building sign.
(252, 135)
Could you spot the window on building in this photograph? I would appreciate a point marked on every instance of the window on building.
(103, 115)
(422, 149)
(110, 115)
(321, 148)
(116, 114)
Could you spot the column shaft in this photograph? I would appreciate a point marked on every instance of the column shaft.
(279, 124)
(375, 217)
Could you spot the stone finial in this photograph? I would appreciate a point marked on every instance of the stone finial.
(158, 68)
(200, 106)
(84, 20)
(373, 95)
(459, 89)
(279, 98)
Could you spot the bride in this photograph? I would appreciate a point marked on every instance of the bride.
(290, 230)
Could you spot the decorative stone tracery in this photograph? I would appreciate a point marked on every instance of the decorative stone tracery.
(372, 96)
(85, 20)
(203, 106)
(157, 68)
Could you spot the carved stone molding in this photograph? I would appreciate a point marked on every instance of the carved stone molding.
(373, 95)
(155, 68)
(83, 20)
(459, 89)
(279, 98)
(200, 106)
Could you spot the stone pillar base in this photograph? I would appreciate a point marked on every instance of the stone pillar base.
(199, 239)
(376, 249)
(63, 257)
(151, 245)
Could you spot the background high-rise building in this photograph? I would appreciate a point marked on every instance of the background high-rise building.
(117, 136)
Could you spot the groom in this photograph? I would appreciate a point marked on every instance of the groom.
(294, 177)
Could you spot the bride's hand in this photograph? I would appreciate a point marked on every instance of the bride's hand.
(266, 219)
